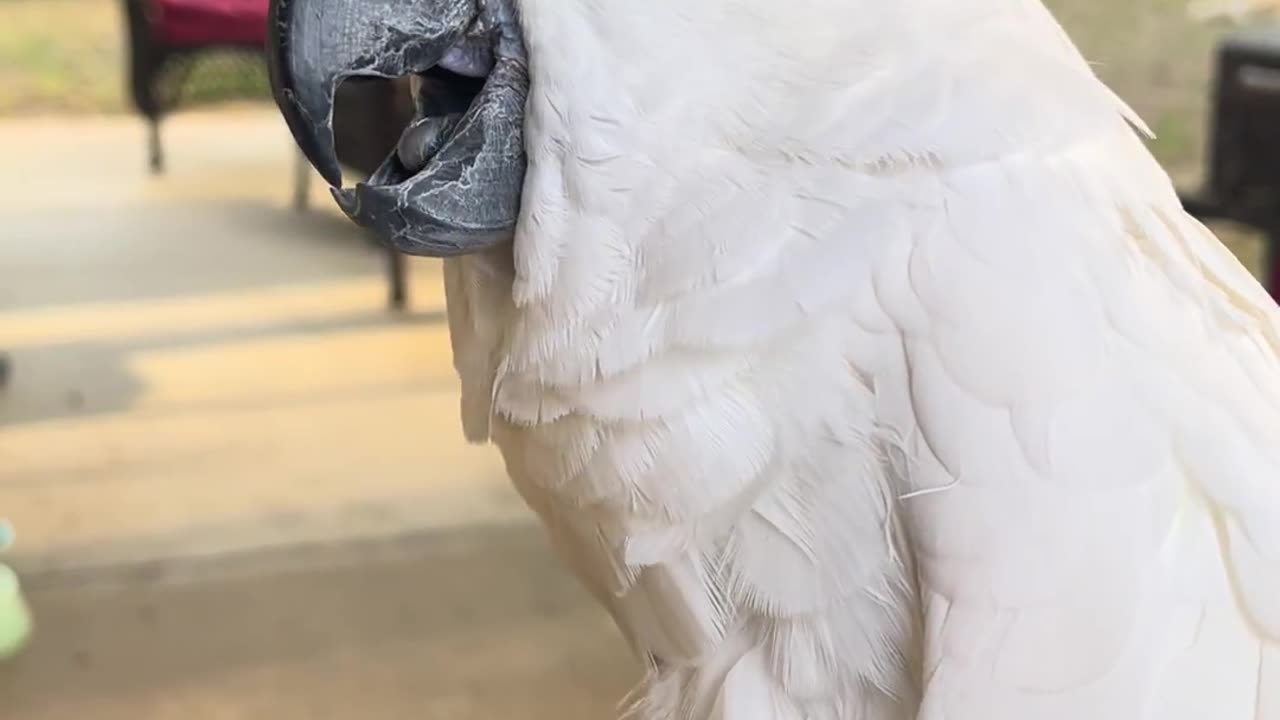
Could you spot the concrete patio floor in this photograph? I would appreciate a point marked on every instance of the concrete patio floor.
(238, 481)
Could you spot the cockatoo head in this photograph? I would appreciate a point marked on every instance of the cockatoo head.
(453, 184)
(622, 97)
(672, 76)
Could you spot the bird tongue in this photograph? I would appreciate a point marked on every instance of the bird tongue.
(470, 57)
(423, 139)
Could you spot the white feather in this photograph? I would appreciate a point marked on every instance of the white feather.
(862, 362)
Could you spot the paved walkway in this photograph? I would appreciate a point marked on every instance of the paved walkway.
(238, 481)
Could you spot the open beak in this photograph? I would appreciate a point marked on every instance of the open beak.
(452, 185)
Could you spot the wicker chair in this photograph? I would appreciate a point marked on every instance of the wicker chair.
(165, 37)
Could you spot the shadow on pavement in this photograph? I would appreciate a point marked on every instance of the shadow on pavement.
(482, 623)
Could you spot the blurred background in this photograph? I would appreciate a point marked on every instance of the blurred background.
(229, 441)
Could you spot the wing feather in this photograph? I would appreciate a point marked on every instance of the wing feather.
(1102, 410)
(917, 333)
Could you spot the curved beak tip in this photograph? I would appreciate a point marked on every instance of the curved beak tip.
(303, 90)
(312, 130)
(346, 199)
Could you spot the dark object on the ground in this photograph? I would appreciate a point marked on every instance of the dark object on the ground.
(1243, 182)
(5, 367)
(166, 37)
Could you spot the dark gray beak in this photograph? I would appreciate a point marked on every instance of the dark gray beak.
(453, 184)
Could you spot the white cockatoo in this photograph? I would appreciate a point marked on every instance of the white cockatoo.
(856, 354)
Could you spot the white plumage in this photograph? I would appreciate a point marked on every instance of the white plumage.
(863, 363)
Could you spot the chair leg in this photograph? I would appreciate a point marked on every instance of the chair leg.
(397, 285)
(301, 182)
(6, 367)
(155, 146)
(1271, 262)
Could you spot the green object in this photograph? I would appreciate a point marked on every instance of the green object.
(15, 616)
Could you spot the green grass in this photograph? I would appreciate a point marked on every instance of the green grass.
(67, 56)
(1161, 62)
(1157, 59)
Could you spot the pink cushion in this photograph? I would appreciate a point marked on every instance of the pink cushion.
(195, 23)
